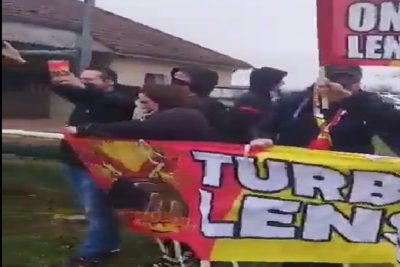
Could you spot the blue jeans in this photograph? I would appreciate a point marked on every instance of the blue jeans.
(102, 235)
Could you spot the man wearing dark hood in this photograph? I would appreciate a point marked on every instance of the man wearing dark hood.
(251, 107)
(201, 83)
(263, 83)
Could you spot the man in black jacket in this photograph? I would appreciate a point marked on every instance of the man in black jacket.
(264, 83)
(97, 99)
(256, 104)
(354, 117)
(171, 120)
(365, 115)
(202, 82)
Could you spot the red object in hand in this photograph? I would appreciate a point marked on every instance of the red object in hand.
(320, 144)
(58, 67)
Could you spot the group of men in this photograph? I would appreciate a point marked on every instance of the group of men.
(352, 118)
(348, 123)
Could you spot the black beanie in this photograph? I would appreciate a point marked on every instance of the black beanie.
(203, 81)
(265, 79)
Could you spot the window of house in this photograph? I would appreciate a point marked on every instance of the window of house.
(155, 78)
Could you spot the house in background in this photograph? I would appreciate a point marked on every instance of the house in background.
(50, 29)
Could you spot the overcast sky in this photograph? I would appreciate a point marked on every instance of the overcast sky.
(278, 33)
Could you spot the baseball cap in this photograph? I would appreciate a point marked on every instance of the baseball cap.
(344, 75)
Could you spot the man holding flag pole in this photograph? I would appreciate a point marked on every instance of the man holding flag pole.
(334, 113)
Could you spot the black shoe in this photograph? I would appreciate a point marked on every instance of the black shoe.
(105, 256)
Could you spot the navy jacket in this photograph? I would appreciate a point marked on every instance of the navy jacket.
(292, 123)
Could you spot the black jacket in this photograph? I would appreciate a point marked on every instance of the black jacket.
(293, 123)
(179, 124)
(92, 105)
(255, 105)
(203, 82)
(262, 82)
(248, 111)
(215, 112)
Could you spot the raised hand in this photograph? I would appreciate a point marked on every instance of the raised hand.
(11, 53)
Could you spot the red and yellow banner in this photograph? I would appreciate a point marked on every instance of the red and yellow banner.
(284, 205)
(353, 32)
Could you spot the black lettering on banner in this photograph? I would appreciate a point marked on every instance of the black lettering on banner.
(270, 218)
(376, 29)
(212, 167)
(320, 222)
(375, 188)
(214, 229)
(310, 181)
(248, 175)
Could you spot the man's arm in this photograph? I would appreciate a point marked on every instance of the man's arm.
(10, 55)
(76, 94)
(90, 94)
(288, 107)
(153, 128)
(383, 118)
(371, 108)
(248, 105)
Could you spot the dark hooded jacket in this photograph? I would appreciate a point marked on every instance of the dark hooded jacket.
(262, 82)
(293, 124)
(203, 82)
(253, 106)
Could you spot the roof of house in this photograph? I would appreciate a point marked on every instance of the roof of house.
(122, 35)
